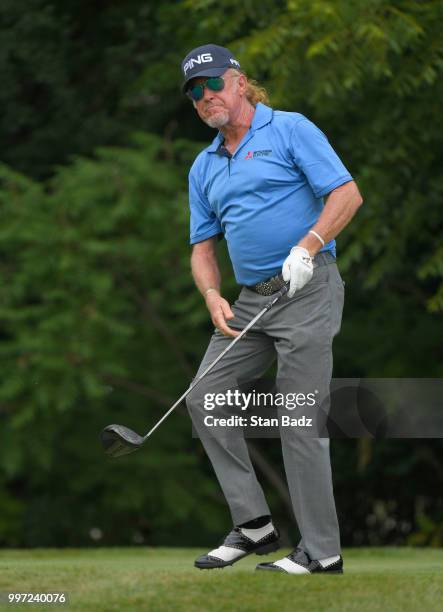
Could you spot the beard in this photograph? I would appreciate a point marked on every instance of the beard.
(218, 120)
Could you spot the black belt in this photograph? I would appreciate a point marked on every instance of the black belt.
(271, 285)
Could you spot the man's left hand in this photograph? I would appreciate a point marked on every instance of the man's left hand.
(297, 269)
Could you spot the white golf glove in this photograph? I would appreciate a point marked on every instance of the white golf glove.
(298, 269)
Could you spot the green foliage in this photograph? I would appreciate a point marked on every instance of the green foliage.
(98, 303)
(370, 75)
(69, 72)
(429, 533)
(99, 318)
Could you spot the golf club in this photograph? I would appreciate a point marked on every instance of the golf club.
(118, 440)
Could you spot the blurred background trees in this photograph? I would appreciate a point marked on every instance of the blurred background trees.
(99, 319)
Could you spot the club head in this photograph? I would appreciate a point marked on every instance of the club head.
(118, 440)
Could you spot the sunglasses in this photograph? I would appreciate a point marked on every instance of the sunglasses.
(196, 92)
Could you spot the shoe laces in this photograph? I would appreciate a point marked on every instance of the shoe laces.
(228, 539)
(292, 556)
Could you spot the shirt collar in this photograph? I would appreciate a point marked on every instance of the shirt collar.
(263, 115)
(215, 143)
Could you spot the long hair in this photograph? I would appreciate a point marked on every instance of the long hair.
(254, 91)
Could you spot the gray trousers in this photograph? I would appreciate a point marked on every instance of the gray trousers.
(298, 332)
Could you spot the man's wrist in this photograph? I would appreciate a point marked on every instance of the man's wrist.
(209, 290)
(311, 244)
(317, 235)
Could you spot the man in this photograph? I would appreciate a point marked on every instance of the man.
(262, 184)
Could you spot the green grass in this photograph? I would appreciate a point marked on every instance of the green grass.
(164, 579)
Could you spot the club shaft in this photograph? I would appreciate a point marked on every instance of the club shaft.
(268, 306)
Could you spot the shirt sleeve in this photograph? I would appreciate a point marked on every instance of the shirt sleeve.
(203, 222)
(317, 159)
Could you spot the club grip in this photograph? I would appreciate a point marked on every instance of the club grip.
(280, 293)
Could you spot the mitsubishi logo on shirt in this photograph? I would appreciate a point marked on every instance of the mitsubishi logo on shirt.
(253, 154)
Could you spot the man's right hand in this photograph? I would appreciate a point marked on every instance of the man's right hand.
(220, 310)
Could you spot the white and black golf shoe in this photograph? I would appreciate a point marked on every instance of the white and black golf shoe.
(240, 543)
(298, 562)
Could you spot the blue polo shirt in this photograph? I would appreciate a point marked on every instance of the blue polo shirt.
(268, 195)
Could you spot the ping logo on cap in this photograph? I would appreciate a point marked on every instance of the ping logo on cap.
(207, 61)
(200, 59)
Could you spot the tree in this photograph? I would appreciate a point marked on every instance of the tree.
(98, 309)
